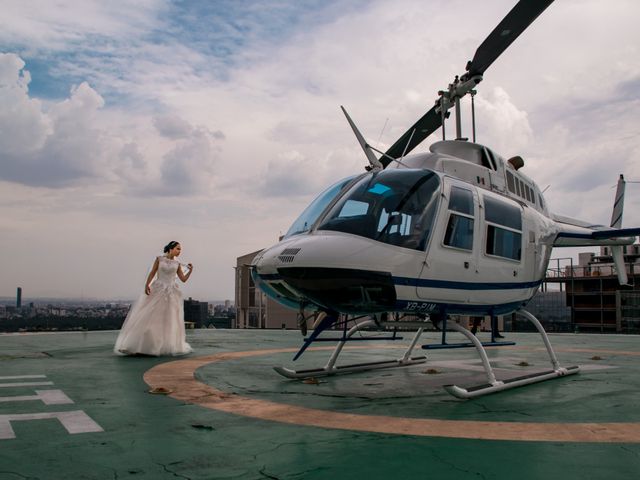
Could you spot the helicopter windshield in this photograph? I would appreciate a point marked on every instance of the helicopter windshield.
(310, 214)
(393, 206)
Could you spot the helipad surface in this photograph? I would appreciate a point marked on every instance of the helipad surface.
(69, 409)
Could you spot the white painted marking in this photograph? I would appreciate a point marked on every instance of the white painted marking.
(48, 397)
(24, 384)
(16, 377)
(74, 422)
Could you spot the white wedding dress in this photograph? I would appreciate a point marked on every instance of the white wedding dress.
(155, 322)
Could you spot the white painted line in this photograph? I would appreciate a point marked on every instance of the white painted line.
(24, 384)
(48, 397)
(74, 422)
(16, 377)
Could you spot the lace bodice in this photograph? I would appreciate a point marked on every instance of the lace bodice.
(167, 270)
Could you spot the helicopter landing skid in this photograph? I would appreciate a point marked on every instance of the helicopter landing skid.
(331, 369)
(493, 385)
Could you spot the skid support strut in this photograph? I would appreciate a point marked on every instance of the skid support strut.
(331, 369)
(494, 385)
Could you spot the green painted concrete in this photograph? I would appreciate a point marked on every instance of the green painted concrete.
(156, 437)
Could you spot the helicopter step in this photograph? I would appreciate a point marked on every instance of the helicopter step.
(331, 369)
(493, 385)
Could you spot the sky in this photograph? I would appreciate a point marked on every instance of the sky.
(125, 125)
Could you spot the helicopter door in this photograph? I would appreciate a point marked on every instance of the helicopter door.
(453, 253)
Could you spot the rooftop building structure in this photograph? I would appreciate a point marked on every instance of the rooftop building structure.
(594, 297)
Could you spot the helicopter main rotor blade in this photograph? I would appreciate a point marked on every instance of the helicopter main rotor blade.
(424, 127)
(511, 26)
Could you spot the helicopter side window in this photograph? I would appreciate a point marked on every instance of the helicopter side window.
(510, 182)
(459, 233)
(504, 229)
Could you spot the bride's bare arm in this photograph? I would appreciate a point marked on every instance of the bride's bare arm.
(152, 273)
(181, 275)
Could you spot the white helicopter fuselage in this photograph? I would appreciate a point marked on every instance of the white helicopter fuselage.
(458, 230)
(454, 231)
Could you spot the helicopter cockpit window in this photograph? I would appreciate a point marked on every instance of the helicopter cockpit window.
(504, 229)
(459, 233)
(395, 206)
(307, 218)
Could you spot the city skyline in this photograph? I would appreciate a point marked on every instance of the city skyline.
(126, 126)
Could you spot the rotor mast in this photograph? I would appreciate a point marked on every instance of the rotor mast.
(451, 98)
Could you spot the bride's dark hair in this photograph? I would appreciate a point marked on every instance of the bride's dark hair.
(171, 245)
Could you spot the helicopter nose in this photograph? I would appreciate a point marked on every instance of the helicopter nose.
(268, 261)
(341, 289)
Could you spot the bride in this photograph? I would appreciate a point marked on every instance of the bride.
(155, 322)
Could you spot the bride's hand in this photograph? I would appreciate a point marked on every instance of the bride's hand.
(147, 290)
(190, 265)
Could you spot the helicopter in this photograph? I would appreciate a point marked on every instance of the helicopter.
(458, 230)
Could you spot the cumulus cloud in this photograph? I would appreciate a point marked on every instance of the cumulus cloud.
(23, 125)
(172, 126)
(190, 167)
(56, 147)
(74, 141)
(290, 174)
(506, 126)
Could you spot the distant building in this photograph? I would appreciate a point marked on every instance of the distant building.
(196, 312)
(19, 298)
(253, 308)
(597, 302)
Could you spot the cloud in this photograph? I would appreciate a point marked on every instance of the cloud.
(502, 122)
(73, 141)
(54, 26)
(289, 174)
(56, 147)
(226, 115)
(188, 169)
(23, 126)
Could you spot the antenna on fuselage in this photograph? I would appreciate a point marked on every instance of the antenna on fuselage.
(368, 151)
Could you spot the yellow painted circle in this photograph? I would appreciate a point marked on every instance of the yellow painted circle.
(179, 377)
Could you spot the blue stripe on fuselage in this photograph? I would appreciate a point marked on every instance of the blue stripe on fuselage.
(430, 283)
